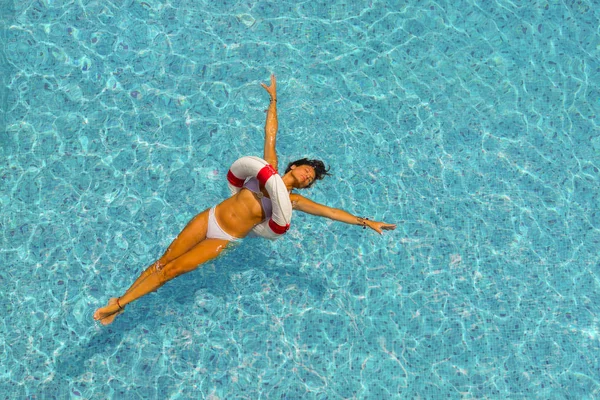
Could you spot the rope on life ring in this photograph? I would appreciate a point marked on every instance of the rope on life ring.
(249, 167)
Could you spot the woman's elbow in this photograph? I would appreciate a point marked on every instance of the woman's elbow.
(333, 213)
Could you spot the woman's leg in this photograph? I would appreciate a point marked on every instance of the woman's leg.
(204, 251)
(191, 235)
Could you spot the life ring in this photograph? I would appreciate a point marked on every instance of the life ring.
(248, 167)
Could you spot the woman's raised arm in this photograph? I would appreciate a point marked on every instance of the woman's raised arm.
(303, 204)
(271, 124)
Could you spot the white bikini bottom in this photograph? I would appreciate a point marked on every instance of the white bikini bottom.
(214, 231)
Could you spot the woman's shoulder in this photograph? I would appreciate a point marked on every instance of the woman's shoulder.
(296, 199)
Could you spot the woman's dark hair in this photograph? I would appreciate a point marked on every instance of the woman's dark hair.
(319, 167)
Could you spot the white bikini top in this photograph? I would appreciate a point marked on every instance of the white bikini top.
(253, 185)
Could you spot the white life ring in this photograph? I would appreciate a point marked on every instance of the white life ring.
(248, 167)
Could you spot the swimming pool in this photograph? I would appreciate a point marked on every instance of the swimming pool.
(474, 127)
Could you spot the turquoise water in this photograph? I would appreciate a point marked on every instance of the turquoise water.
(472, 125)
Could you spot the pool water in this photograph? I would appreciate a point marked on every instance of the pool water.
(471, 125)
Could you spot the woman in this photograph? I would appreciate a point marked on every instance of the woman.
(209, 233)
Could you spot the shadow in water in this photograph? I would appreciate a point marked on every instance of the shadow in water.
(216, 277)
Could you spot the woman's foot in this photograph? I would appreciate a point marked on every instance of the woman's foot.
(106, 315)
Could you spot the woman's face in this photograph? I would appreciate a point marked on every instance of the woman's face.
(303, 175)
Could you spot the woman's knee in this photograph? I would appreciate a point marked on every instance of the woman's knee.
(201, 253)
(173, 270)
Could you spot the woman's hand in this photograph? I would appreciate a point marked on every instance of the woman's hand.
(379, 227)
(270, 154)
(272, 90)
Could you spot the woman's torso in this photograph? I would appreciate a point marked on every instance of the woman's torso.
(238, 214)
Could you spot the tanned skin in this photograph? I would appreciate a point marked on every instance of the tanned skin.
(237, 216)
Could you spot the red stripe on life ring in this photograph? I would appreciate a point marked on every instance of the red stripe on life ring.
(265, 173)
(234, 180)
(278, 229)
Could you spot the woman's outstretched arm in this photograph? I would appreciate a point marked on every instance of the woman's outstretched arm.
(271, 124)
(303, 204)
